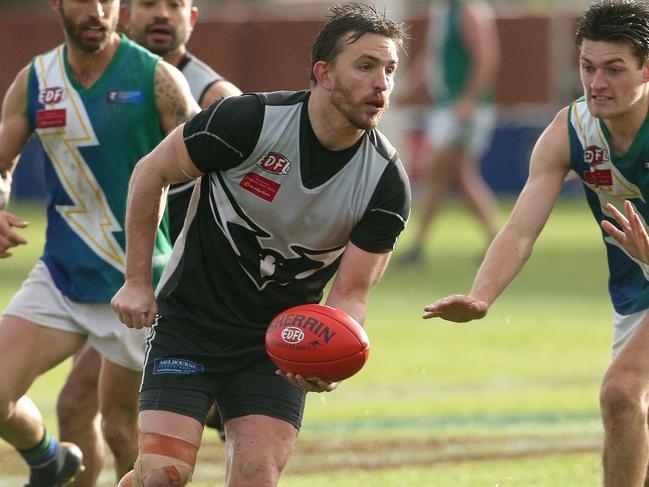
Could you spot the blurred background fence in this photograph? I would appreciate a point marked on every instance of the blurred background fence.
(264, 45)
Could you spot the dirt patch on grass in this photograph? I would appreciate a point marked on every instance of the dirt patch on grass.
(342, 453)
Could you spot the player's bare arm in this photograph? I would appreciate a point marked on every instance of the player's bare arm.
(633, 235)
(513, 245)
(167, 164)
(14, 132)
(359, 271)
(218, 90)
(173, 97)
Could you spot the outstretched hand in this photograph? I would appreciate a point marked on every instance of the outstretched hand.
(457, 307)
(9, 238)
(633, 235)
(311, 384)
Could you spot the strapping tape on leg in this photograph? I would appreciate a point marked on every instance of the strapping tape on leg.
(160, 452)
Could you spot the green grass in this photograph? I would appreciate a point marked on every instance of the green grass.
(511, 400)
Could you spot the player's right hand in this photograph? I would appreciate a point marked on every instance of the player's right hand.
(9, 238)
(135, 305)
(308, 384)
(457, 307)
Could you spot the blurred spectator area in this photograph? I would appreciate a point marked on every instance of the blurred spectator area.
(263, 49)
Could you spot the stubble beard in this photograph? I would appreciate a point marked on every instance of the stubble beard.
(340, 98)
(160, 49)
(74, 33)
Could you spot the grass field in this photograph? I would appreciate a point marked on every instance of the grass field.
(508, 401)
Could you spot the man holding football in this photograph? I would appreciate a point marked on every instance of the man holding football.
(260, 238)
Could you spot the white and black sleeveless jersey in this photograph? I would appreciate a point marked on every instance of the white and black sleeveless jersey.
(200, 78)
(270, 219)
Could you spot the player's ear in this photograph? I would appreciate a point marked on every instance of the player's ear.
(322, 74)
(124, 16)
(56, 5)
(193, 15)
(645, 71)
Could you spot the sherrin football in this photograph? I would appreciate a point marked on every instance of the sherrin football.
(314, 340)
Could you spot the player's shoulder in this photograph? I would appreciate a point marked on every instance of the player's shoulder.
(193, 63)
(382, 145)
(565, 117)
(283, 98)
(23, 75)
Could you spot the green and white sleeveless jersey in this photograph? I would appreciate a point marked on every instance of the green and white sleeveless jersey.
(611, 178)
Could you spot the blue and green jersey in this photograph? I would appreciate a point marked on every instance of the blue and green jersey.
(612, 178)
(92, 139)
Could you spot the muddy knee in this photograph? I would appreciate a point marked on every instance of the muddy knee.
(163, 460)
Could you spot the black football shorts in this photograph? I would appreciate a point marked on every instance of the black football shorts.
(187, 369)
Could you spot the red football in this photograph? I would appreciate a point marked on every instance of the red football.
(314, 340)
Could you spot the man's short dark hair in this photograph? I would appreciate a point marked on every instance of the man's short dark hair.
(347, 23)
(618, 21)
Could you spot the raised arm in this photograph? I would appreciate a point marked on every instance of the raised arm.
(513, 245)
(168, 163)
(174, 99)
(15, 129)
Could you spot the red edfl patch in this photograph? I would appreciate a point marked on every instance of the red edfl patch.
(599, 177)
(51, 118)
(260, 186)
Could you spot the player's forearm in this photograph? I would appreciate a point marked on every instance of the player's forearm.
(353, 305)
(503, 261)
(359, 271)
(143, 210)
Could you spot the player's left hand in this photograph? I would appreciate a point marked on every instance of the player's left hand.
(311, 384)
(633, 235)
(9, 238)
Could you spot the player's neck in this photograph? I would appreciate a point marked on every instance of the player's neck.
(175, 57)
(87, 67)
(625, 128)
(331, 128)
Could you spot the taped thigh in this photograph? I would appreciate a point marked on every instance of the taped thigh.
(161, 452)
